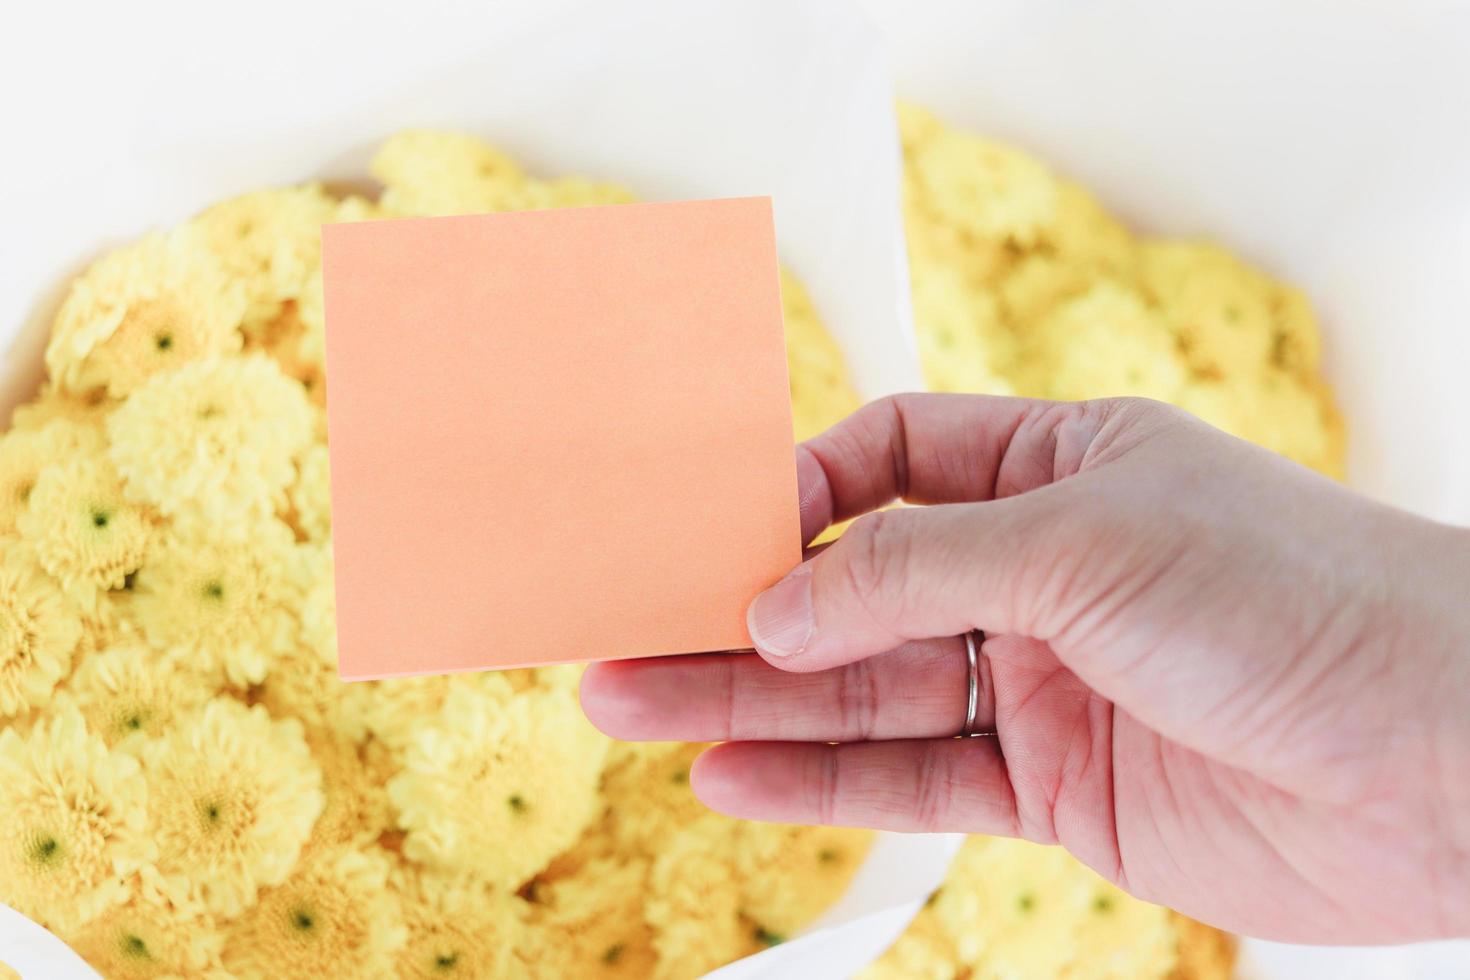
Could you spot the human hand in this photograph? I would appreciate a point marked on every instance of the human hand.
(1225, 683)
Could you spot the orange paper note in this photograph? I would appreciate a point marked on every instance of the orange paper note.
(555, 435)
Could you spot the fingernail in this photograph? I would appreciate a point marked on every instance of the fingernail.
(780, 618)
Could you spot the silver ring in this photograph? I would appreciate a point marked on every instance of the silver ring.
(973, 639)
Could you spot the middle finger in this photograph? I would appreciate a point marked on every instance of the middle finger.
(918, 690)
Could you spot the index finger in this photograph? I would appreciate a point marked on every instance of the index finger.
(929, 448)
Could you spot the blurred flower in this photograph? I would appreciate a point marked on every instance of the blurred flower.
(268, 243)
(232, 798)
(25, 453)
(86, 533)
(455, 927)
(333, 917)
(73, 824)
(142, 309)
(497, 786)
(217, 437)
(129, 693)
(147, 938)
(224, 606)
(39, 630)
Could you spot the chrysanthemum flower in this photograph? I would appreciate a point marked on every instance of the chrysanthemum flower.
(216, 437)
(311, 494)
(498, 788)
(393, 710)
(1220, 307)
(455, 927)
(646, 785)
(232, 796)
(789, 874)
(25, 453)
(222, 605)
(86, 533)
(148, 307)
(73, 824)
(269, 243)
(147, 938)
(331, 918)
(355, 802)
(986, 189)
(962, 344)
(39, 631)
(87, 409)
(129, 693)
(426, 172)
(694, 903)
(1105, 342)
(591, 924)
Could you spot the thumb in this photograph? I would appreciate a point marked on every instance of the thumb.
(907, 574)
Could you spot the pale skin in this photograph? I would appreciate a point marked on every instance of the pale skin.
(1227, 684)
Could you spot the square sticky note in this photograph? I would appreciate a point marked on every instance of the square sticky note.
(555, 435)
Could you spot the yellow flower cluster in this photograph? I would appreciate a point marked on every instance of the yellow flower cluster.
(189, 789)
(1023, 284)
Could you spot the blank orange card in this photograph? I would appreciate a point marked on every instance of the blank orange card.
(555, 435)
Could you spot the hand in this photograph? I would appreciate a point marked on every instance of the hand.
(1227, 684)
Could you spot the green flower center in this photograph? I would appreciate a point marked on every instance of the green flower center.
(164, 341)
(44, 850)
(613, 953)
(100, 518)
(446, 961)
(517, 803)
(302, 920)
(214, 590)
(134, 947)
(1026, 902)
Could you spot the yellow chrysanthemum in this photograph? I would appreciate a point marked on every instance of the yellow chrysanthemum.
(393, 710)
(427, 172)
(1295, 418)
(455, 928)
(986, 189)
(790, 875)
(333, 917)
(1103, 343)
(223, 605)
(86, 533)
(39, 632)
(86, 409)
(1085, 235)
(232, 796)
(821, 393)
(216, 437)
(923, 952)
(311, 494)
(1220, 308)
(269, 244)
(73, 824)
(355, 802)
(147, 938)
(591, 924)
(498, 786)
(25, 453)
(130, 693)
(694, 904)
(646, 785)
(143, 309)
(962, 343)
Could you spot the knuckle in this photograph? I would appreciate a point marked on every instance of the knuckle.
(874, 564)
(933, 787)
(858, 700)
